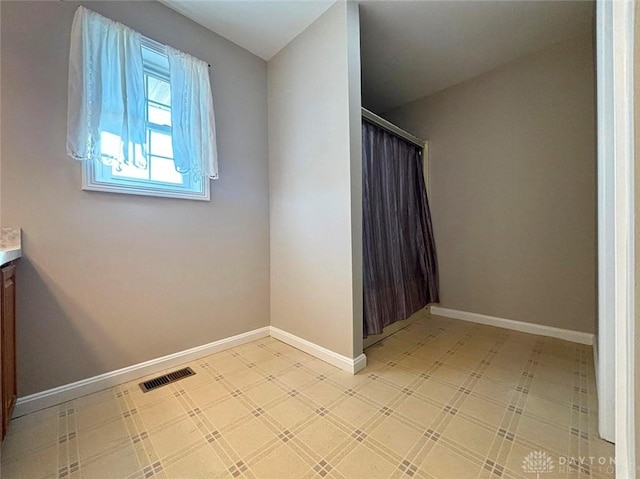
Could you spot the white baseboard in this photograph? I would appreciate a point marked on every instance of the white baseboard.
(343, 362)
(68, 392)
(595, 363)
(566, 334)
(58, 395)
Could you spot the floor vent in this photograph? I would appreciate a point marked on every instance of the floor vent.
(165, 379)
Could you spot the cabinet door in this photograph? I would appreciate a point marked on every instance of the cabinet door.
(9, 386)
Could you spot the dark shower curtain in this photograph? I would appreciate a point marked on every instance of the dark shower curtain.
(400, 268)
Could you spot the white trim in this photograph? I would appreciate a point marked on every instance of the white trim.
(359, 364)
(605, 361)
(338, 360)
(595, 362)
(566, 334)
(623, 110)
(67, 392)
(90, 182)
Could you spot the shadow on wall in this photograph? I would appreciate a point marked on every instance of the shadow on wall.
(72, 347)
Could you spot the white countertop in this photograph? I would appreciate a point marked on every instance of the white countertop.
(10, 244)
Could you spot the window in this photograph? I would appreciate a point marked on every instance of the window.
(158, 177)
(140, 113)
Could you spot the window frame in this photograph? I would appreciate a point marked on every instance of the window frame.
(97, 176)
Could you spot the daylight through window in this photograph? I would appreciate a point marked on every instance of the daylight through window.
(142, 118)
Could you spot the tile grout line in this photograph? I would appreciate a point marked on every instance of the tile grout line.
(501, 448)
(150, 465)
(68, 460)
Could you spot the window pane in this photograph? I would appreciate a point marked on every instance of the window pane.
(154, 59)
(158, 91)
(130, 171)
(110, 145)
(164, 170)
(160, 144)
(159, 115)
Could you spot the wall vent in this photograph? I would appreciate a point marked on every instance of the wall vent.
(165, 379)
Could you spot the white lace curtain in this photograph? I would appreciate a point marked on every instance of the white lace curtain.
(107, 95)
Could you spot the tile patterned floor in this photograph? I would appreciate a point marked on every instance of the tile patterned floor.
(439, 399)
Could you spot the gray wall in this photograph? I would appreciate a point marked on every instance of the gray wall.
(315, 177)
(110, 280)
(513, 178)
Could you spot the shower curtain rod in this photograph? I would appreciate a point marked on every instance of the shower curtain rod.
(382, 123)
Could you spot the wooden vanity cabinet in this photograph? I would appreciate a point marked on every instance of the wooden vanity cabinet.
(8, 343)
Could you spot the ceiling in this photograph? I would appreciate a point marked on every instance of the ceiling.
(412, 49)
(263, 27)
